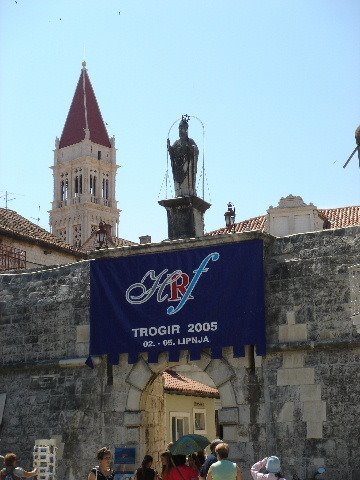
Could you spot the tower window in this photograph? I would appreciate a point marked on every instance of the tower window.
(64, 188)
(78, 185)
(105, 188)
(93, 185)
(99, 154)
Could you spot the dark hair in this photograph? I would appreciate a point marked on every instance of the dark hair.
(102, 452)
(201, 457)
(179, 460)
(165, 469)
(214, 443)
(196, 459)
(9, 459)
(147, 459)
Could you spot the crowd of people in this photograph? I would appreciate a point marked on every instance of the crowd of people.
(196, 466)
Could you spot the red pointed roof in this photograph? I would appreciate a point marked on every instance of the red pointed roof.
(84, 114)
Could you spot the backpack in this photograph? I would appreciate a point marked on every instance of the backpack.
(8, 474)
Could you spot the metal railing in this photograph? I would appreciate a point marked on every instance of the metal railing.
(12, 258)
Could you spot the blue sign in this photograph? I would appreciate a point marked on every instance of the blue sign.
(124, 456)
(210, 297)
(123, 475)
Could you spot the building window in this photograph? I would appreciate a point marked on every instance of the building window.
(179, 424)
(62, 234)
(77, 235)
(99, 155)
(105, 188)
(93, 185)
(218, 426)
(64, 189)
(199, 420)
(78, 185)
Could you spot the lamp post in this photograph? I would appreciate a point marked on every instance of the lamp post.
(230, 216)
(101, 236)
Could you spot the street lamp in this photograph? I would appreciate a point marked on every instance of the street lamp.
(230, 216)
(101, 236)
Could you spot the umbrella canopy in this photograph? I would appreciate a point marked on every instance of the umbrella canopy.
(189, 444)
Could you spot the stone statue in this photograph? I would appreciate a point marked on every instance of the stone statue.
(184, 156)
(357, 139)
(357, 148)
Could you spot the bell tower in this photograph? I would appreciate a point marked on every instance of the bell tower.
(84, 171)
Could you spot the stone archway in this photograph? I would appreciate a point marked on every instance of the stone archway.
(143, 374)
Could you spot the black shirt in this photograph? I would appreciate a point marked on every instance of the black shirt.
(101, 476)
(145, 474)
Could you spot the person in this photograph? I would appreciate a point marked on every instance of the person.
(210, 459)
(272, 467)
(192, 461)
(145, 472)
(196, 460)
(184, 156)
(200, 458)
(166, 465)
(181, 471)
(10, 468)
(223, 469)
(103, 471)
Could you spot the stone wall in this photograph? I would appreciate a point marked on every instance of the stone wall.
(154, 441)
(300, 401)
(311, 374)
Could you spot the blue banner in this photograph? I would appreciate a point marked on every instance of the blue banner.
(124, 456)
(211, 297)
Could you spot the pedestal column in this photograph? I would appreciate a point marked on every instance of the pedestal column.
(185, 216)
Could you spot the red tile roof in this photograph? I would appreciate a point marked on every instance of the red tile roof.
(340, 217)
(14, 225)
(84, 113)
(250, 225)
(176, 383)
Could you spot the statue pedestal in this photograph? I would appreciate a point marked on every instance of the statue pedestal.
(185, 216)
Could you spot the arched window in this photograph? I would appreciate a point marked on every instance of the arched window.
(93, 185)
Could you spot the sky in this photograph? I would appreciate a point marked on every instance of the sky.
(276, 84)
